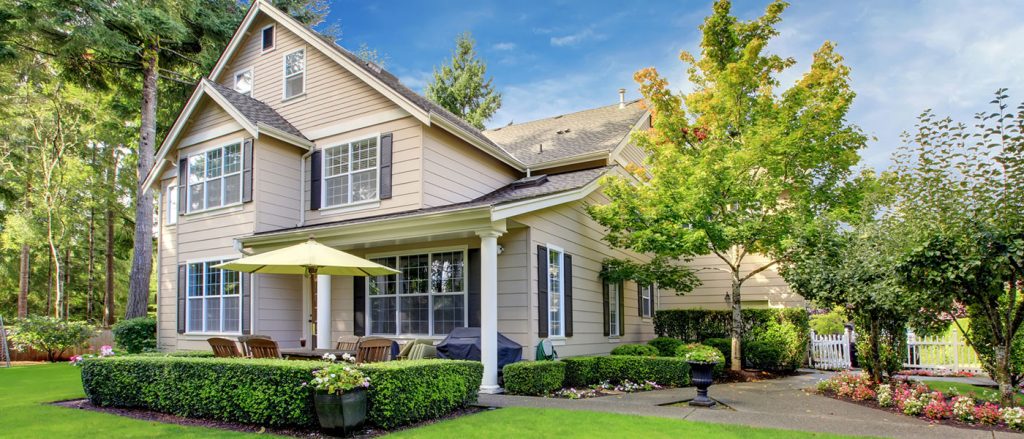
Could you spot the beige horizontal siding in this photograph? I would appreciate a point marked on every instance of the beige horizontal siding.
(276, 184)
(766, 289)
(454, 171)
(277, 303)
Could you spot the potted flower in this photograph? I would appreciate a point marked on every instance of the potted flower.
(702, 360)
(340, 397)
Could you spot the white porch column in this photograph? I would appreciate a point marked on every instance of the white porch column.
(489, 309)
(323, 312)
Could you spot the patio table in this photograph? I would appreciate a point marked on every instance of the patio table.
(314, 354)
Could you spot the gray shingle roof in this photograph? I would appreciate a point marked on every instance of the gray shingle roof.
(568, 135)
(510, 193)
(254, 110)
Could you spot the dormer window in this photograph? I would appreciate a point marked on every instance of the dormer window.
(243, 82)
(295, 73)
(268, 37)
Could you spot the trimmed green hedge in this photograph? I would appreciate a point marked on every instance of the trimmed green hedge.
(584, 371)
(724, 345)
(666, 346)
(135, 335)
(640, 350)
(534, 377)
(271, 392)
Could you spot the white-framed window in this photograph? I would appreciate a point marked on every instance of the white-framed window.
(427, 297)
(646, 300)
(614, 316)
(172, 205)
(214, 300)
(351, 172)
(294, 73)
(556, 292)
(243, 82)
(267, 38)
(215, 177)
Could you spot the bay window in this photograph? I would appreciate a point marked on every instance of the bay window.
(426, 297)
(213, 304)
(350, 172)
(215, 178)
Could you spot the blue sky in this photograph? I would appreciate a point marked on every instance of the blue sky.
(553, 57)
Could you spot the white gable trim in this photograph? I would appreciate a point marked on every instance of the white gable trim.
(616, 154)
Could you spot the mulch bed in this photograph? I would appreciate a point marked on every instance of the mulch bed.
(149, 415)
(748, 376)
(870, 403)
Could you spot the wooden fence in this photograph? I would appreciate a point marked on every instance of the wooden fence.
(830, 352)
(102, 337)
(945, 352)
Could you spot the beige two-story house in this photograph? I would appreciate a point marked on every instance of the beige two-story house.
(292, 137)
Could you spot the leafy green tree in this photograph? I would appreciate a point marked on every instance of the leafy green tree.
(736, 167)
(961, 209)
(462, 86)
(52, 335)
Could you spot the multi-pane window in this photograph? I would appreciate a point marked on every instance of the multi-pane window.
(214, 299)
(556, 293)
(268, 38)
(243, 82)
(426, 297)
(646, 300)
(614, 316)
(215, 178)
(172, 205)
(295, 73)
(350, 172)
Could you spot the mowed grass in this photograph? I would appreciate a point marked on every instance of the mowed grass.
(556, 423)
(977, 392)
(24, 412)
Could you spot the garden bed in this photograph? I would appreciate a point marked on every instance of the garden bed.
(917, 400)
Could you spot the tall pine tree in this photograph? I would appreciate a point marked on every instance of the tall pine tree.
(462, 87)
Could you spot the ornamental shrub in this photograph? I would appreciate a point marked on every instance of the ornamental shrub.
(581, 371)
(665, 371)
(51, 335)
(272, 392)
(724, 345)
(685, 349)
(666, 346)
(777, 347)
(135, 335)
(534, 377)
(987, 413)
(640, 350)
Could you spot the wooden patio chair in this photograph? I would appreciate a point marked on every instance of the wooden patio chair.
(244, 341)
(348, 342)
(223, 347)
(374, 351)
(263, 348)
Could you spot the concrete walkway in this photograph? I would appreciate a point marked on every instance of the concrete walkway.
(778, 403)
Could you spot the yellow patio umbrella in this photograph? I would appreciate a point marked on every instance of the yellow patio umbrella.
(309, 258)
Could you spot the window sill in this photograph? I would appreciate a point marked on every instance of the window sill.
(557, 341)
(614, 339)
(296, 98)
(348, 208)
(216, 211)
(202, 336)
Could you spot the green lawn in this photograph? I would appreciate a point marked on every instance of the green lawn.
(25, 390)
(976, 392)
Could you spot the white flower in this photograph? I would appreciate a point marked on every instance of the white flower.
(1013, 417)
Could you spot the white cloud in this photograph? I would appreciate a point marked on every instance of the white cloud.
(576, 38)
(504, 46)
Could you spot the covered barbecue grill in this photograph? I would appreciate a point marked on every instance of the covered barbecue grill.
(464, 344)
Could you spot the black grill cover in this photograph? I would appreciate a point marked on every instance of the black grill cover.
(464, 344)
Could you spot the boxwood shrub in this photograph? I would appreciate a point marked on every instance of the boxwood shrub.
(581, 371)
(534, 377)
(724, 345)
(584, 371)
(666, 346)
(271, 392)
(135, 335)
(641, 350)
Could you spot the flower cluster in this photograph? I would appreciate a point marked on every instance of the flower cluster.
(105, 351)
(572, 393)
(884, 395)
(338, 379)
(1013, 417)
(601, 388)
(345, 357)
(848, 385)
(937, 408)
(963, 409)
(987, 413)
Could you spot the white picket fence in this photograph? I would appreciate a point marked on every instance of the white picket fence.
(830, 352)
(946, 352)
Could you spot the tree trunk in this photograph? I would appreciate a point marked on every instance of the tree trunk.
(90, 289)
(49, 281)
(108, 291)
(1002, 378)
(736, 331)
(876, 351)
(67, 283)
(23, 282)
(142, 256)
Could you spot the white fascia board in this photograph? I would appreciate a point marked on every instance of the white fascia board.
(262, 128)
(236, 39)
(497, 153)
(625, 140)
(572, 160)
(505, 211)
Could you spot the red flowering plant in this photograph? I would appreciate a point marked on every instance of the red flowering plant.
(938, 408)
(987, 413)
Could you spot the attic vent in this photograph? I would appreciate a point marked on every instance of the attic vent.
(535, 180)
(564, 131)
(373, 66)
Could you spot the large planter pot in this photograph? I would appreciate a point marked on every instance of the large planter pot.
(701, 376)
(341, 413)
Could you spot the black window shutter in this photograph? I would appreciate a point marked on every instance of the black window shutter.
(542, 291)
(181, 297)
(386, 153)
(182, 186)
(622, 309)
(567, 284)
(474, 288)
(247, 170)
(246, 279)
(359, 305)
(604, 306)
(640, 299)
(314, 181)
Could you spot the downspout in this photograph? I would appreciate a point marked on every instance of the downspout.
(302, 187)
(527, 172)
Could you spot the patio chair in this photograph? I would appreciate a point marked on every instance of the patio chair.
(407, 348)
(374, 351)
(422, 352)
(263, 348)
(223, 347)
(348, 342)
(244, 341)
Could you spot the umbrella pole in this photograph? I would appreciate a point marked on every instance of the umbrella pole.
(312, 316)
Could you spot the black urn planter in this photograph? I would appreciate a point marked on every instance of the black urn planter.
(701, 376)
(341, 413)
